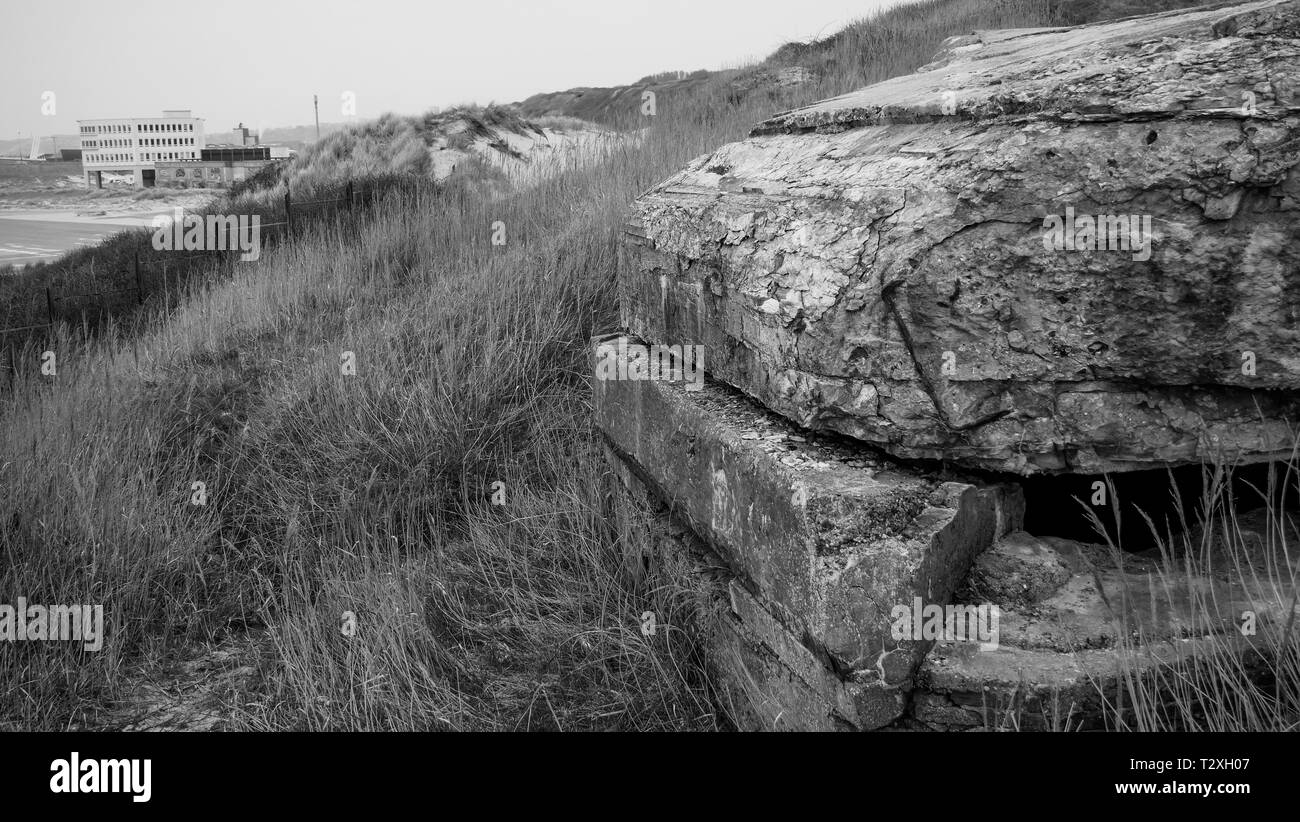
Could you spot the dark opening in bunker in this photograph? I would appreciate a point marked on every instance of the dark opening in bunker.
(1063, 506)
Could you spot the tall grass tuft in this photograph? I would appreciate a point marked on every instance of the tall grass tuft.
(1226, 582)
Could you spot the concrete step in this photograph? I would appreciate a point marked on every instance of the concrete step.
(829, 536)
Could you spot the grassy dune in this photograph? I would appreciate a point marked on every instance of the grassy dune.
(327, 492)
(367, 493)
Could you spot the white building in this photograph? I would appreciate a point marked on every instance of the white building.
(135, 144)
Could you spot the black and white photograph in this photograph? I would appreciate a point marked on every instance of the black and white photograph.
(377, 375)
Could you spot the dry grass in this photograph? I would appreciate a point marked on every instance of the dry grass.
(1230, 671)
(368, 493)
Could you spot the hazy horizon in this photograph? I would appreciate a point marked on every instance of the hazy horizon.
(261, 64)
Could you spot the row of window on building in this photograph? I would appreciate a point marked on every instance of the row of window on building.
(140, 128)
(144, 141)
(148, 156)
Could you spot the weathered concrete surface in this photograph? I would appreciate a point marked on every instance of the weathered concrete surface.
(1016, 688)
(1061, 650)
(1065, 596)
(873, 267)
(767, 678)
(1074, 624)
(1175, 62)
(829, 538)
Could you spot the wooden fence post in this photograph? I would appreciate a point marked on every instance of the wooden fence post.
(49, 307)
(349, 195)
(288, 213)
(139, 289)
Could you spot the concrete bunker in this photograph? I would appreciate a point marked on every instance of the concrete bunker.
(908, 388)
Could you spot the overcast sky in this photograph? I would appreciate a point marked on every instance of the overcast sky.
(260, 62)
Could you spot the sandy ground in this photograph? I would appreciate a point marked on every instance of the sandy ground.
(27, 241)
(534, 155)
(46, 211)
(28, 237)
(82, 217)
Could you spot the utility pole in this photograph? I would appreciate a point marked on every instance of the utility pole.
(315, 102)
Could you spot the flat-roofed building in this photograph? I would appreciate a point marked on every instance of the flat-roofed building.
(137, 144)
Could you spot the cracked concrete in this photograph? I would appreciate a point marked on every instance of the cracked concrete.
(904, 250)
(829, 536)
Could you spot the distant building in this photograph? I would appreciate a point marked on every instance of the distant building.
(70, 154)
(138, 144)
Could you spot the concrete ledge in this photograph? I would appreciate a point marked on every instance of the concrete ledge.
(830, 537)
(1076, 630)
(767, 679)
(1032, 689)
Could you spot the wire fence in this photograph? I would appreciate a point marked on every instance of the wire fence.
(155, 271)
(166, 272)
